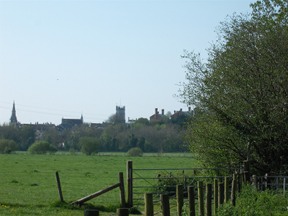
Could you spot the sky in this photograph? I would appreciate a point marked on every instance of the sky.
(67, 58)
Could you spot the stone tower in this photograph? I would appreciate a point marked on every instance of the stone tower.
(120, 114)
(13, 119)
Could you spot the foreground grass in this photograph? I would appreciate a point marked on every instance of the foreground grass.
(28, 183)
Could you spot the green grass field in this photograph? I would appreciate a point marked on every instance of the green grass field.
(28, 183)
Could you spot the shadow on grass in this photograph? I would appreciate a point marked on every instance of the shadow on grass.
(108, 208)
(17, 205)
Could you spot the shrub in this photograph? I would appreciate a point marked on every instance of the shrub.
(7, 146)
(135, 152)
(41, 147)
(167, 181)
(89, 145)
(253, 202)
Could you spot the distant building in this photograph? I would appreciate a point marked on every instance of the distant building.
(13, 119)
(157, 117)
(180, 117)
(120, 115)
(70, 123)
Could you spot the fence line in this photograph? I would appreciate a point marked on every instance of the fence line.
(202, 207)
(207, 204)
(155, 180)
(224, 188)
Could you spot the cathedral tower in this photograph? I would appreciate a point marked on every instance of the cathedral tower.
(120, 114)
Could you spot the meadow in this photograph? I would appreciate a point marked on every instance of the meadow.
(28, 183)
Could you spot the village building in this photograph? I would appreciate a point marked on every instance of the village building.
(180, 117)
(158, 117)
(67, 123)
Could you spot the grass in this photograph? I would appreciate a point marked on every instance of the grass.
(28, 183)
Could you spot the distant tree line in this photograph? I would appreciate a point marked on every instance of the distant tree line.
(111, 137)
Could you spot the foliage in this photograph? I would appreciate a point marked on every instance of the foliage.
(167, 181)
(89, 145)
(150, 138)
(211, 140)
(142, 121)
(8, 146)
(24, 136)
(242, 91)
(111, 119)
(41, 147)
(135, 152)
(256, 203)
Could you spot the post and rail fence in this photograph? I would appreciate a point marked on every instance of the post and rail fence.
(157, 180)
(204, 199)
(212, 191)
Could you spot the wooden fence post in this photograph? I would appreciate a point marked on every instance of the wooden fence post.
(254, 181)
(130, 183)
(59, 187)
(165, 204)
(226, 189)
(208, 199)
(122, 211)
(246, 171)
(122, 190)
(233, 190)
(180, 199)
(191, 199)
(215, 196)
(221, 194)
(284, 186)
(201, 198)
(91, 212)
(149, 209)
(265, 181)
(239, 182)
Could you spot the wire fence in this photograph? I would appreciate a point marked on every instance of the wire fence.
(275, 183)
(158, 181)
(165, 181)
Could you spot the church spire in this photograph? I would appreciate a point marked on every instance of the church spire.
(13, 119)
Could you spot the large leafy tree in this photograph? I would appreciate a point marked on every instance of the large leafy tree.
(242, 91)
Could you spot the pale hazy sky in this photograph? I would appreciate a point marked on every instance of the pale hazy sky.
(64, 58)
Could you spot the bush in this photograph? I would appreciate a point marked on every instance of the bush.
(167, 181)
(41, 147)
(135, 152)
(253, 202)
(7, 146)
(89, 145)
